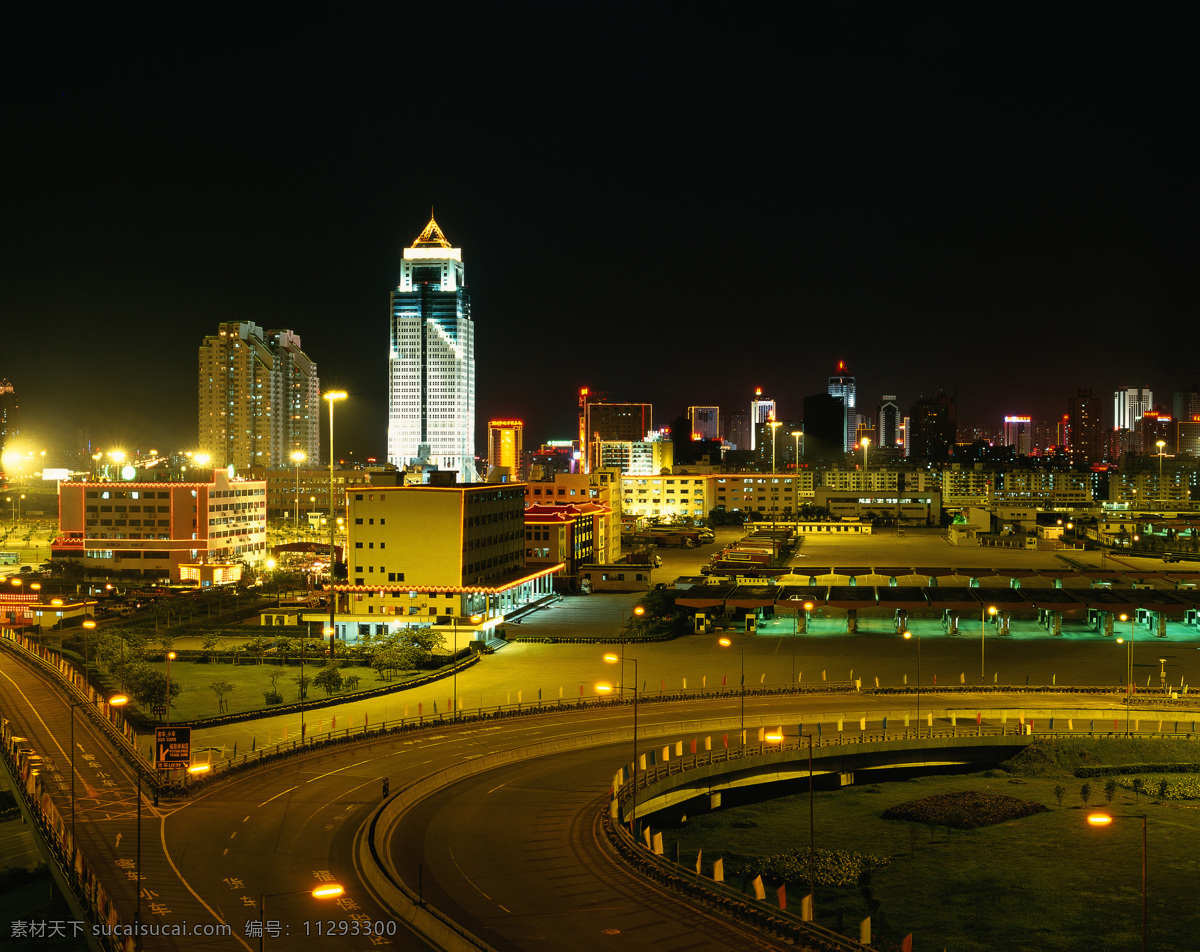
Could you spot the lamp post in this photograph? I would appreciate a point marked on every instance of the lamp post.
(908, 635)
(633, 764)
(475, 620)
(866, 443)
(1105, 819)
(170, 658)
(332, 396)
(725, 643)
(638, 612)
(120, 701)
(983, 616)
(775, 738)
(298, 457)
(1162, 445)
(1129, 689)
(328, 891)
(796, 434)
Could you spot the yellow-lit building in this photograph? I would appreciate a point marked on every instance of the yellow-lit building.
(505, 445)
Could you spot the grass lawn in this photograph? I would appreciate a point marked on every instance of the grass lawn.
(251, 681)
(1045, 882)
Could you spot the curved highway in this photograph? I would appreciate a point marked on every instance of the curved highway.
(510, 852)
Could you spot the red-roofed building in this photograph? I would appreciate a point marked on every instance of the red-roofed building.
(564, 533)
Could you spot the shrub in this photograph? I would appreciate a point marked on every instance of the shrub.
(964, 811)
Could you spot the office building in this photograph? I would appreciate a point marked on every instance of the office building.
(1018, 433)
(888, 422)
(704, 422)
(933, 427)
(824, 427)
(762, 411)
(505, 445)
(158, 530)
(842, 386)
(604, 422)
(1129, 403)
(737, 433)
(259, 397)
(431, 363)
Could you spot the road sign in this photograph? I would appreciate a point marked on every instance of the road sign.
(160, 710)
(172, 747)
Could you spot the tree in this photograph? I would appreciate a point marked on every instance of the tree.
(302, 682)
(1138, 786)
(220, 689)
(1163, 787)
(1110, 790)
(210, 643)
(1085, 793)
(1059, 792)
(329, 678)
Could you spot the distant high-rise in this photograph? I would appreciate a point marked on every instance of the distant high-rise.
(1129, 403)
(504, 444)
(842, 386)
(933, 427)
(1086, 431)
(259, 397)
(1018, 432)
(8, 416)
(612, 422)
(888, 421)
(737, 433)
(431, 365)
(762, 410)
(824, 427)
(1186, 405)
(705, 423)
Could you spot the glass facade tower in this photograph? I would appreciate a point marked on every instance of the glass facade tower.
(431, 366)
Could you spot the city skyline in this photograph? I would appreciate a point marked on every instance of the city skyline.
(940, 200)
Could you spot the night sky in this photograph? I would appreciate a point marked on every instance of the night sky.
(671, 203)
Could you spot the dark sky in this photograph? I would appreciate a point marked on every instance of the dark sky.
(667, 204)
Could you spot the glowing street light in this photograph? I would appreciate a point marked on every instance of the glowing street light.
(1102, 820)
(725, 642)
(633, 765)
(796, 435)
(983, 616)
(332, 396)
(866, 443)
(909, 635)
(298, 457)
(327, 891)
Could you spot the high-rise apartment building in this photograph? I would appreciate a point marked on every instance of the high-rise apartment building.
(737, 430)
(431, 364)
(1086, 436)
(505, 438)
(259, 397)
(933, 427)
(705, 422)
(762, 410)
(842, 386)
(1129, 403)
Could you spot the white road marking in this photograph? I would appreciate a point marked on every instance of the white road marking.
(339, 770)
(276, 797)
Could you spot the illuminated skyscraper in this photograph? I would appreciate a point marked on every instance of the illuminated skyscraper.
(762, 410)
(1129, 403)
(841, 385)
(431, 366)
(888, 422)
(1085, 436)
(8, 415)
(504, 445)
(1018, 433)
(705, 423)
(258, 399)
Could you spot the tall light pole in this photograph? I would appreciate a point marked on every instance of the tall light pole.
(298, 457)
(170, 658)
(1161, 444)
(633, 765)
(725, 643)
(1103, 820)
(777, 738)
(328, 891)
(332, 396)
(796, 434)
(866, 443)
(983, 615)
(638, 612)
(1129, 688)
(475, 620)
(909, 634)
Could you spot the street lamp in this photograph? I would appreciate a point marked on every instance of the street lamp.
(120, 701)
(866, 443)
(1161, 444)
(475, 620)
(88, 624)
(797, 434)
(633, 766)
(638, 612)
(116, 700)
(332, 396)
(298, 457)
(725, 643)
(909, 635)
(774, 425)
(1129, 688)
(983, 616)
(328, 891)
(777, 738)
(170, 658)
(1105, 819)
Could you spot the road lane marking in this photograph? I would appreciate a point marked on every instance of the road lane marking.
(468, 879)
(339, 770)
(276, 797)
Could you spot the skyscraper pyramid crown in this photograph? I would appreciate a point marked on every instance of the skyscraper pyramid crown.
(431, 237)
